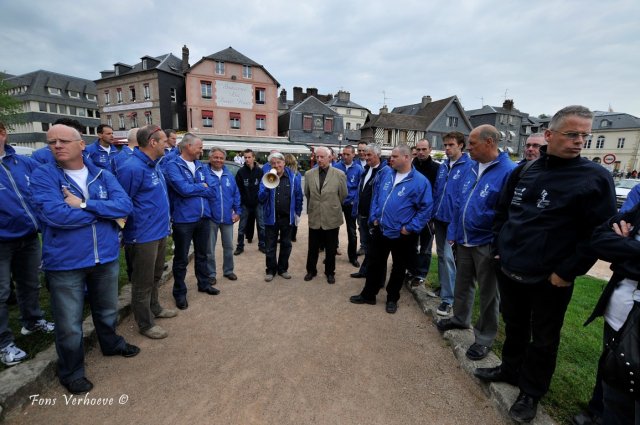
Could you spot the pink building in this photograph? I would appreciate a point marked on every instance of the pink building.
(228, 94)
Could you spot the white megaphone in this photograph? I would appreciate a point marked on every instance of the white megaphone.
(271, 180)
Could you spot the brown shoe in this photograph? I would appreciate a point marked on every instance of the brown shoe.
(155, 332)
(166, 313)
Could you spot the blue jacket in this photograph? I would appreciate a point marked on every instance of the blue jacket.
(188, 195)
(169, 155)
(100, 157)
(43, 155)
(448, 186)
(227, 199)
(353, 180)
(473, 209)
(17, 218)
(74, 238)
(267, 197)
(633, 198)
(120, 158)
(407, 204)
(150, 219)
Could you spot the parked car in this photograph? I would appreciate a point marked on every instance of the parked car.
(623, 187)
(232, 167)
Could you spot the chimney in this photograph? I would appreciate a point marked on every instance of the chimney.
(312, 92)
(344, 96)
(283, 96)
(425, 100)
(508, 104)
(297, 95)
(384, 110)
(185, 59)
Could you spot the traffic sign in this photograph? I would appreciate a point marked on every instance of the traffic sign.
(609, 158)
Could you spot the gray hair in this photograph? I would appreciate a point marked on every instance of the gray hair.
(276, 155)
(131, 136)
(489, 132)
(403, 149)
(374, 149)
(188, 139)
(217, 149)
(573, 110)
(326, 149)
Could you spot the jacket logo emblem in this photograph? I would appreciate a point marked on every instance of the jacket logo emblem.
(485, 191)
(102, 194)
(543, 202)
(518, 194)
(402, 191)
(456, 176)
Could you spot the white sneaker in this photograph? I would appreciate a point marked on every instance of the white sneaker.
(40, 326)
(12, 355)
(268, 278)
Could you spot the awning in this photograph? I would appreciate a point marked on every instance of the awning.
(234, 115)
(257, 146)
(207, 114)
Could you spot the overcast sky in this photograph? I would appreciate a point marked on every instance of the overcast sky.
(543, 54)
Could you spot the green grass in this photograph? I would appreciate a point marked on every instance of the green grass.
(580, 349)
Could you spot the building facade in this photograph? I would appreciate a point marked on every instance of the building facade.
(229, 94)
(149, 92)
(615, 141)
(313, 123)
(46, 97)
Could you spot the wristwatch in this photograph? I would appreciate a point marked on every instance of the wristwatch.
(83, 205)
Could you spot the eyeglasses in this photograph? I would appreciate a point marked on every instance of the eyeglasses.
(62, 141)
(533, 145)
(153, 132)
(573, 135)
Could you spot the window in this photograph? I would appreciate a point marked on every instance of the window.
(147, 92)
(205, 88)
(119, 95)
(328, 124)
(53, 108)
(600, 142)
(82, 112)
(74, 94)
(90, 113)
(246, 71)
(134, 119)
(54, 91)
(260, 96)
(234, 119)
(362, 113)
(107, 97)
(132, 93)
(587, 143)
(207, 118)
(72, 110)
(510, 119)
(144, 64)
(307, 123)
(220, 68)
(358, 126)
(172, 93)
(43, 106)
(348, 111)
(45, 126)
(621, 143)
(92, 130)
(148, 118)
(604, 123)
(261, 122)
(121, 121)
(109, 121)
(348, 126)
(452, 121)
(403, 136)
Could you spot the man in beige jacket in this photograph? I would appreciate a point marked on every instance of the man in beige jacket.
(325, 188)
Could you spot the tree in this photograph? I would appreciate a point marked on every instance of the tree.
(542, 116)
(10, 107)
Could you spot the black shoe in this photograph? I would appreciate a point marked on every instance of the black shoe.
(391, 307)
(262, 250)
(494, 374)
(355, 263)
(331, 279)
(127, 351)
(79, 386)
(586, 418)
(249, 240)
(294, 240)
(360, 252)
(238, 251)
(309, 276)
(357, 275)
(213, 281)
(359, 299)
(446, 325)
(524, 409)
(182, 304)
(477, 352)
(231, 276)
(209, 290)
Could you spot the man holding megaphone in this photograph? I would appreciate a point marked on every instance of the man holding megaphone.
(281, 197)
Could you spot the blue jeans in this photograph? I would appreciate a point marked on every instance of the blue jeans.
(271, 233)
(183, 233)
(245, 226)
(67, 302)
(20, 259)
(226, 230)
(446, 263)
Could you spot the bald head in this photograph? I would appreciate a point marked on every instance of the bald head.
(483, 143)
(67, 146)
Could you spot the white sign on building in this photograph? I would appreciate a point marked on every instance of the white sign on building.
(234, 95)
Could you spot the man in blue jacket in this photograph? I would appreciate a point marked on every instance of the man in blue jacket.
(80, 207)
(280, 207)
(225, 210)
(400, 208)
(189, 193)
(353, 171)
(470, 229)
(447, 186)
(126, 151)
(102, 151)
(147, 228)
(19, 251)
(633, 198)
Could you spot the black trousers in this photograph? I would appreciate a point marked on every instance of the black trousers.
(401, 250)
(327, 238)
(533, 315)
(350, 221)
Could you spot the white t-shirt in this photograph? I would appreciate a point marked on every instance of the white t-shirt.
(107, 149)
(191, 165)
(621, 301)
(217, 173)
(400, 177)
(482, 167)
(368, 175)
(80, 177)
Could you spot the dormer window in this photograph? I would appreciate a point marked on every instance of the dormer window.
(605, 123)
(219, 68)
(74, 94)
(144, 64)
(54, 91)
(246, 71)
(91, 97)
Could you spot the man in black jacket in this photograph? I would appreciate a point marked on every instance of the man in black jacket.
(248, 181)
(543, 225)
